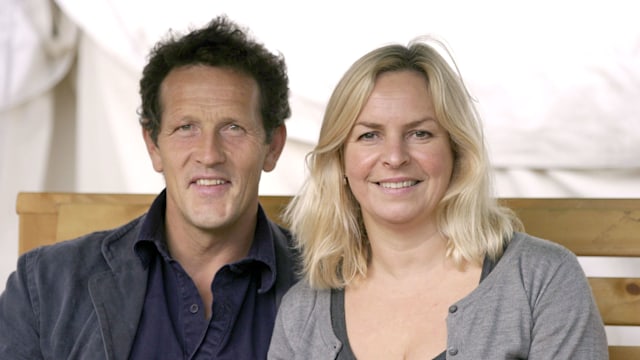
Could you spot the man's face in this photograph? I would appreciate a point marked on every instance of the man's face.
(212, 147)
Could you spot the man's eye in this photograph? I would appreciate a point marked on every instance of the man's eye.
(234, 130)
(234, 127)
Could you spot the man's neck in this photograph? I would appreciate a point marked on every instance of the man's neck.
(202, 253)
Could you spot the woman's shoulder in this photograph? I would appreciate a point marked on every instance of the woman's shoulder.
(523, 245)
(536, 257)
(303, 326)
(530, 265)
(305, 310)
(302, 296)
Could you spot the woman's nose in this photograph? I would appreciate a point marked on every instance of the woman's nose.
(395, 153)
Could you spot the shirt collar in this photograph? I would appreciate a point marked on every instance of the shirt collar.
(262, 257)
(152, 235)
(263, 251)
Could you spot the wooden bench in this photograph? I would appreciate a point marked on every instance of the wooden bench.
(588, 227)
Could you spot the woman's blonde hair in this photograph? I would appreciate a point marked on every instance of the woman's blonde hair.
(325, 218)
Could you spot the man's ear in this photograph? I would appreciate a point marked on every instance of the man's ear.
(153, 150)
(278, 139)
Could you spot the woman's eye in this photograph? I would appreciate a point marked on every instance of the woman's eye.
(422, 134)
(367, 136)
(185, 127)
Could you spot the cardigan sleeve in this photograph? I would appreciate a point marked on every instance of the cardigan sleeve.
(566, 320)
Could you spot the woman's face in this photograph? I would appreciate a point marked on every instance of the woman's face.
(398, 159)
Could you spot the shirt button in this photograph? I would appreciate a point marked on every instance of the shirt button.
(453, 308)
(453, 351)
(194, 308)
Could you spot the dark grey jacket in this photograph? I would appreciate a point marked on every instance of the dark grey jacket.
(82, 299)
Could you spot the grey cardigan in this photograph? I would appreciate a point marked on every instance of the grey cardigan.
(82, 299)
(535, 304)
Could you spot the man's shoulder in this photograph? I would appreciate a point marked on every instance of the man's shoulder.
(283, 242)
(282, 235)
(81, 252)
(287, 259)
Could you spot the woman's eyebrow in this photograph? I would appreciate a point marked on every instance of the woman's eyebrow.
(377, 125)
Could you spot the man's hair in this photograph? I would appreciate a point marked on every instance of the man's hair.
(325, 217)
(221, 43)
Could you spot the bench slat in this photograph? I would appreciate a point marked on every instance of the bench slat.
(588, 227)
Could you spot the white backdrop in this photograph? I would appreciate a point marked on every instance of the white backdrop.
(557, 83)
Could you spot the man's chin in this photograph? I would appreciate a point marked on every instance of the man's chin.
(212, 221)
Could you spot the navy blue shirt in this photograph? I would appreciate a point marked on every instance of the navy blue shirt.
(173, 323)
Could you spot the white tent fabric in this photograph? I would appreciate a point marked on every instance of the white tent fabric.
(557, 84)
(38, 48)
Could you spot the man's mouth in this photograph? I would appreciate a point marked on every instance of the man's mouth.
(209, 182)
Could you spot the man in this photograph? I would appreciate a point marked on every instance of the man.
(202, 273)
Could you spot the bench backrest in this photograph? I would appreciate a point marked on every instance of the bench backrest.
(588, 227)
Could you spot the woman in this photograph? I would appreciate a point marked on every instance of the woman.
(406, 255)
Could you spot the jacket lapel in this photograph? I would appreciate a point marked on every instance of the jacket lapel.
(118, 295)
